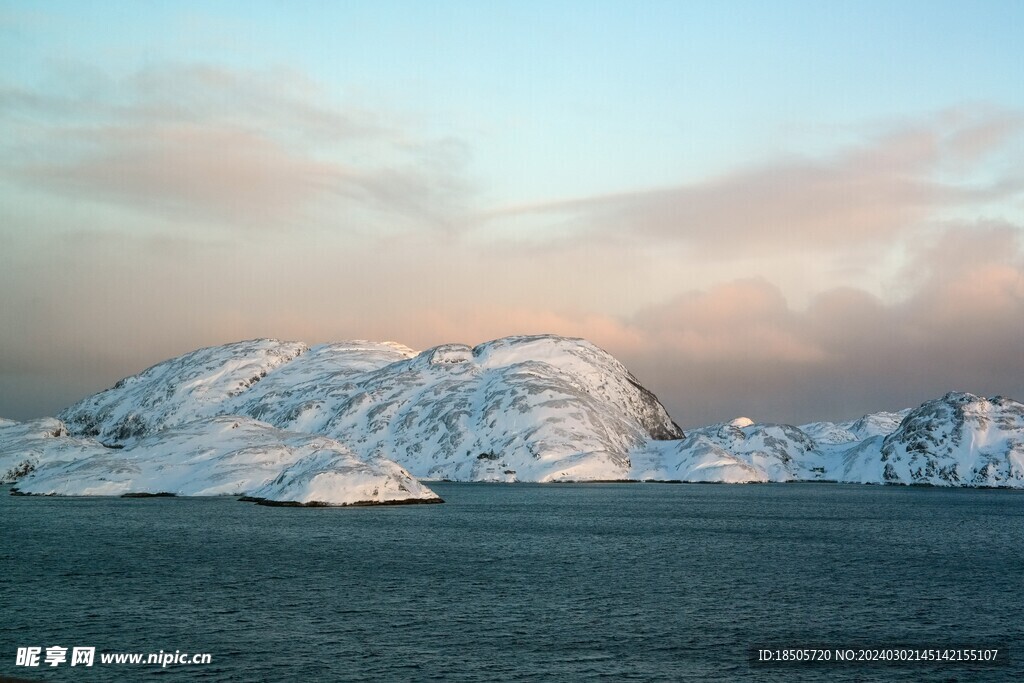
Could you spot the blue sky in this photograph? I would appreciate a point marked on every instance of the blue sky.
(563, 99)
(697, 187)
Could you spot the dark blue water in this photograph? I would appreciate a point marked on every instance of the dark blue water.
(521, 582)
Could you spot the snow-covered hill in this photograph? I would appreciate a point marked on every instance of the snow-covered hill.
(539, 408)
(957, 440)
(182, 389)
(223, 455)
(852, 431)
(536, 408)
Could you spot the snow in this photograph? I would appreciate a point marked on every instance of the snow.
(328, 423)
(24, 445)
(337, 477)
(178, 390)
(958, 440)
(227, 455)
(695, 458)
(553, 407)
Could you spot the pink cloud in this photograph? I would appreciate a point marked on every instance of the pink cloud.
(741, 321)
(248, 148)
(225, 172)
(868, 194)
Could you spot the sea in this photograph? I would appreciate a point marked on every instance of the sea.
(521, 582)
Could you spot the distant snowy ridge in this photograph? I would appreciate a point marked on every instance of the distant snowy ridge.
(957, 440)
(537, 408)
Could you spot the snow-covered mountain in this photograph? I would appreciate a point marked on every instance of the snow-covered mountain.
(540, 408)
(535, 408)
(780, 452)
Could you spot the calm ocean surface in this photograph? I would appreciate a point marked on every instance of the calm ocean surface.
(520, 582)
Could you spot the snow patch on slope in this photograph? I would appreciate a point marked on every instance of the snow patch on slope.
(24, 445)
(226, 455)
(179, 390)
(695, 458)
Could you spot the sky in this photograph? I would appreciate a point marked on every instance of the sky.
(791, 211)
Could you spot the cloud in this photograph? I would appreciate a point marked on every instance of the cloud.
(867, 194)
(741, 347)
(225, 173)
(738, 322)
(960, 328)
(738, 347)
(226, 146)
(976, 132)
(722, 296)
